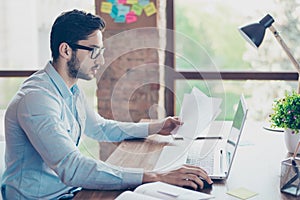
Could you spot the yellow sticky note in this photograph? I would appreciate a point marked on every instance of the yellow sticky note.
(242, 193)
(106, 7)
(150, 9)
(132, 1)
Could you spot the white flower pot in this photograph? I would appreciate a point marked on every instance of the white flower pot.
(291, 140)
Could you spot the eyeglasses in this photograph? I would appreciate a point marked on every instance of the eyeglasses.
(71, 193)
(96, 51)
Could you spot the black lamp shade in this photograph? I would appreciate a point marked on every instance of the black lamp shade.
(254, 33)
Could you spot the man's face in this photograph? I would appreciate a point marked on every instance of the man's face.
(83, 63)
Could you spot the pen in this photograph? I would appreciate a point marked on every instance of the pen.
(209, 137)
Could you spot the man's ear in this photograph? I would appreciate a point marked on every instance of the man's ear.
(65, 50)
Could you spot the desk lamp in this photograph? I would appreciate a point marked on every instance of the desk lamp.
(254, 34)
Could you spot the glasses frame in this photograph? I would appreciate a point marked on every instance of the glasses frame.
(96, 51)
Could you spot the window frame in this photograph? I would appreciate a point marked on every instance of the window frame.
(170, 79)
(16, 73)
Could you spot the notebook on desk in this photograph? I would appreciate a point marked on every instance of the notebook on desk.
(215, 156)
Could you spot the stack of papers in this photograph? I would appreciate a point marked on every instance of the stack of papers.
(197, 112)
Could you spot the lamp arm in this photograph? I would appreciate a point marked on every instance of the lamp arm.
(288, 52)
(286, 49)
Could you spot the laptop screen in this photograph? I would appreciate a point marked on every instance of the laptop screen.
(236, 129)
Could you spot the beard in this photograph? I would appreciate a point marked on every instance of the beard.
(74, 69)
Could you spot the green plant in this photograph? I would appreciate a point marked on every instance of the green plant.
(287, 112)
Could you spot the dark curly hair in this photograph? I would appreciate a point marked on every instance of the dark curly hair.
(72, 26)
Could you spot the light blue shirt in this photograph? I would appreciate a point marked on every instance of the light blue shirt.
(43, 124)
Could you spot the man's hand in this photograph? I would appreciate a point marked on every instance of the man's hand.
(165, 126)
(187, 175)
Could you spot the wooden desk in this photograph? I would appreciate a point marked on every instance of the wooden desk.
(256, 166)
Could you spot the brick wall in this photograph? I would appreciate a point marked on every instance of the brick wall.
(128, 85)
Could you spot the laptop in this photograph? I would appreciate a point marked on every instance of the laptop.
(214, 155)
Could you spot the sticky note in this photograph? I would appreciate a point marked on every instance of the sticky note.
(106, 7)
(131, 17)
(114, 12)
(112, 1)
(132, 1)
(242, 193)
(137, 9)
(123, 10)
(144, 2)
(120, 19)
(122, 1)
(150, 9)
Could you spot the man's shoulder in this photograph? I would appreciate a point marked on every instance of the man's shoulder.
(38, 81)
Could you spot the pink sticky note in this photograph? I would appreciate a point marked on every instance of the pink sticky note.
(122, 1)
(131, 17)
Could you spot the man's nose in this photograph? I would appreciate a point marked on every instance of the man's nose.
(100, 60)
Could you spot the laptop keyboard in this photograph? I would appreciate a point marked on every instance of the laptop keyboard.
(200, 159)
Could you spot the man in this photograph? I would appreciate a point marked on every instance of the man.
(46, 118)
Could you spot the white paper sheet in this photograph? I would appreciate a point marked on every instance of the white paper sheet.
(197, 112)
(188, 116)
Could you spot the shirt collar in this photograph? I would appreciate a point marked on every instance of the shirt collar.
(60, 83)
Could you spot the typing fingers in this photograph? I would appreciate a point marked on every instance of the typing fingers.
(187, 176)
(194, 181)
(199, 172)
(187, 180)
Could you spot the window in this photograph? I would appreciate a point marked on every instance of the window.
(25, 35)
(25, 47)
(209, 50)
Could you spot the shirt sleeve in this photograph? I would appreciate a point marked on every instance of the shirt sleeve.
(102, 129)
(39, 115)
